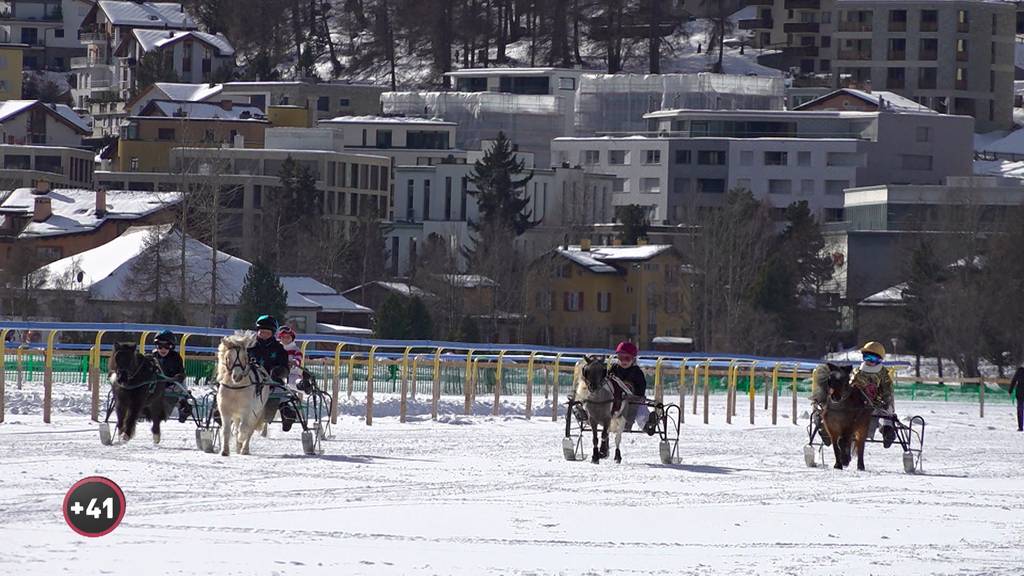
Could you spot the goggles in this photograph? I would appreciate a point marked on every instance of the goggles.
(872, 358)
(164, 346)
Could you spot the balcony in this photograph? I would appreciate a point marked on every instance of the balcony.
(963, 27)
(756, 24)
(759, 2)
(797, 51)
(854, 54)
(929, 26)
(92, 37)
(803, 4)
(930, 55)
(52, 16)
(854, 26)
(897, 54)
(800, 27)
(897, 26)
(961, 56)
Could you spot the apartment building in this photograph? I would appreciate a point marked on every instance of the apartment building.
(322, 100)
(61, 166)
(11, 64)
(409, 140)
(39, 123)
(47, 28)
(195, 57)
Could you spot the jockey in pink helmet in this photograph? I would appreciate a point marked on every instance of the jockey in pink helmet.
(626, 369)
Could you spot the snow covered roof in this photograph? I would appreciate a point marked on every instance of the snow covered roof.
(891, 296)
(599, 259)
(587, 260)
(1012, 143)
(12, 108)
(1004, 168)
(891, 100)
(468, 280)
(188, 92)
(202, 110)
(387, 120)
(325, 297)
(147, 14)
(74, 210)
(400, 288)
(338, 330)
(151, 40)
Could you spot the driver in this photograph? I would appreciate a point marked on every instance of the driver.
(629, 372)
(872, 378)
(171, 366)
(271, 355)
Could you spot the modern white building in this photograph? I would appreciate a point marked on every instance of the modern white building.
(409, 140)
(48, 29)
(195, 57)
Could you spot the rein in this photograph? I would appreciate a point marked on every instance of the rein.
(133, 375)
(252, 370)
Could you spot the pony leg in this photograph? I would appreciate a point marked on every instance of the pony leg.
(618, 440)
(131, 418)
(156, 411)
(604, 441)
(245, 436)
(847, 450)
(838, 450)
(225, 434)
(121, 410)
(860, 437)
(596, 458)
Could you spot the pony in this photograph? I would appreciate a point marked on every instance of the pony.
(138, 391)
(846, 415)
(241, 399)
(604, 406)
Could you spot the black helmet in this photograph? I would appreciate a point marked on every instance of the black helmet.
(266, 322)
(166, 337)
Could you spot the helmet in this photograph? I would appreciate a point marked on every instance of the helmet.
(627, 348)
(286, 329)
(266, 322)
(874, 348)
(166, 337)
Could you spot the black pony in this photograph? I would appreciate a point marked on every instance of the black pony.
(138, 391)
(846, 414)
(605, 400)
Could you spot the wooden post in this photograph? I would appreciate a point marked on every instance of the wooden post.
(707, 386)
(48, 377)
(351, 374)
(97, 380)
(369, 386)
(794, 392)
(529, 385)
(403, 405)
(554, 389)
(752, 389)
(659, 387)
(336, 383)
(729, 375)
(473, 386)
(766, 395)
(415, 368)
(981, 397)
(497, 384)
(3, 371)
(467, 385)
(775, 395)
(436, 392)
(682, 390)
(696, 377)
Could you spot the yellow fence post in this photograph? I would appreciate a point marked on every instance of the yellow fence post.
(682, 390)
(696, 378)
(436, 392)
(659, 392)
(497, 384)
(529, 385)
(369, 387)
(775, 394)
(729, 376)
(752, 388)
(97, 354)
(414, 373)
(474, 382)
(48, 377)
(707, 387)
(3, 371)
(351, 374)
(142, 341)
(467, 384)
(554, 388)
(403, 403)
(794, 392)
(182, 345)
(766, 393)
(336, 383)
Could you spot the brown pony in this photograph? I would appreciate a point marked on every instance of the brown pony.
(846, 415)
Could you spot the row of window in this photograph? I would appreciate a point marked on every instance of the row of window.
(410, 199)
(574, 301)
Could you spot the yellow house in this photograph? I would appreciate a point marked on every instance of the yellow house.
(599, 295)
(10, 71)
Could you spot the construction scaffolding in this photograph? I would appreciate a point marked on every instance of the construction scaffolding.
(618, 102)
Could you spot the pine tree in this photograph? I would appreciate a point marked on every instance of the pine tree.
(421, 325)
(262, 293)
(501, 190)
(635, 223)
(153, 67)
(469, 331)
(392, 321)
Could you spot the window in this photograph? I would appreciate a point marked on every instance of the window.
(618, 157)
(896, 78)
(323, 104)
(961, 50)
(929, 20)
(591, 157)
(927, 78)
(384, 139)
(567, 83)
(682, 156)
(746, 157)
(843, 159)
(803, 158)
(915, 162)
(780, 186)
(572, 301)
(426, 199)
(620, 185)
(165, 134)
(711, 157)
(650, 185)
(133, 164)
(59, 32)
(604, 301)
(711, 185)
(776, 158)
(835, 187)
(448, 198)
(992, 53)
(807, 187)
(928, 49)
(897, 20)
(923, 133)
(465, 194)
(963, 22)
(897, 49)
(343, 103)
(961, 79)
(652, 156)
(991, 80)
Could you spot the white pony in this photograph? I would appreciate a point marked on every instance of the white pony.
(240, 399)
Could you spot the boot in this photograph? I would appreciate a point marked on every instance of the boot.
(888, 436)
(287, 418)
(184, 411)
(580, 412)
(651, 426)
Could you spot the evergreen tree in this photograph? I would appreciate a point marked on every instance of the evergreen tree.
(635, 223)
(167, 311)
(262, 293)
(468, 330)
(501, 190)
(292, 217)
(421, 326)
(392, 321)
(153, 67)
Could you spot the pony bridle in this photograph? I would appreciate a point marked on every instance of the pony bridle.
(237, 364)
(122, 373)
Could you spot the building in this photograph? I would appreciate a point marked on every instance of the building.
(595, 296)
(11, 66)
(35, 122)
(373, 294)
(319, 100)
(335, 313)
(47, 28)
(194, 56)
(410, 141)
(48, 225)
(690, 158)
(60, 166)
(146, 140)
(851, 99)
(955, 56)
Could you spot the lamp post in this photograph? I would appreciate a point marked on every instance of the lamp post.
(639, 301)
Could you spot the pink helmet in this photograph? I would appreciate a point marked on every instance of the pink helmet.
(627, 348)
(286, 330)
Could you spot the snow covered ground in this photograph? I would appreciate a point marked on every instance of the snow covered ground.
(493, 495)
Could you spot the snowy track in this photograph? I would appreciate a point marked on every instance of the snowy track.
(494, 496)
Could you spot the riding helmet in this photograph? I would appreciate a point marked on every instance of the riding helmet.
(165, 336)
(875, 348)
(266, 322)
(627, 348)
(286, 329)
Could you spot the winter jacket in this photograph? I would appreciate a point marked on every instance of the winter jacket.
(171, 365)
(633, 375)
(271, 355)
(294, 354)
(1017, 384)
(876, 383)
